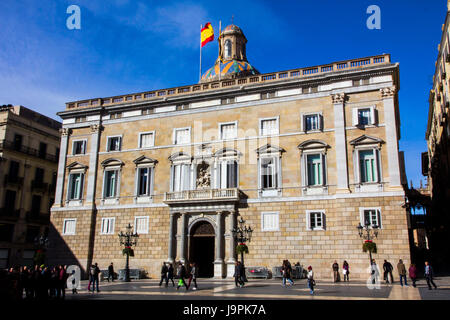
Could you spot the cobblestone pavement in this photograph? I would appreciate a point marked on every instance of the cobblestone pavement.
(212, 289)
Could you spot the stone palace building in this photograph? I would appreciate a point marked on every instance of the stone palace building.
(303, 156)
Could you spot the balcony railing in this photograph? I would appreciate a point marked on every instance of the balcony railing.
(39, 186)
(5, 144)
(13, 180)
(202, 195)
(8, 213)
(37, 217)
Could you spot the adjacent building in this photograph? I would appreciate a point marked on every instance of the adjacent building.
(303, 156)
(437, 160)
(29, 149)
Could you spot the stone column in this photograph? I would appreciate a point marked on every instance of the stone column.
(232, 246)
(172, 242)
(388, 95)
(340, 143)
(93, 159)
(183, 237)
(61, 166)
(218, 262)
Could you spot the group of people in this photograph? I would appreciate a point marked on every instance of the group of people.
(412, 270)
(38, 283)
(345, 271)
(167, 273)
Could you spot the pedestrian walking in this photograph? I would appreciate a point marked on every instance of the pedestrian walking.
(111, 272)
(286, 270)
(91, 277)
(74, 283)
(387, 268)
(346, 270)
(164, 271)
(336, 274)
(429, 275)
(374, 273)
(237, 274)
(311, 281)
(193, 276)
(182, 275)
(402, 272)
(413, 274)
(95, 279)
(170, 272)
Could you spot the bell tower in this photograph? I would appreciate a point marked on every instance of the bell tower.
(232, 44)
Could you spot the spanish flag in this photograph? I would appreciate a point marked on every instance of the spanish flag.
(207, 34)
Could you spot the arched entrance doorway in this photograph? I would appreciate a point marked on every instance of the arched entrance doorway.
(201, 248)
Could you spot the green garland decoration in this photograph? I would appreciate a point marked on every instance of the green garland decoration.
(369, 246)
(242, 247)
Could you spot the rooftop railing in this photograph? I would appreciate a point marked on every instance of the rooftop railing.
(226, 83)
(202, 195)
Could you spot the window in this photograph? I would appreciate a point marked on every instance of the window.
(268, 95)
(364, 116)
(269, 127)
(147, 111)
(182, 136)
(116, 115)
(315, 169)
(4, 254)
(144, 181)
(76, 186)
(269, 173)
(108, 225)
(111, 177)
(146, 140)
(28, 258)
(6, 232)
(227, 49)
(270, 221)
(39, 175)
(79, 147)
(10, 201)
(80, 119)
(141, 225)
(69, 226)
(371, 216)
(180, 176)
(368, 166)
(36, 205)
(315, 220)
(32, 233)
(42, 150)
(18, 141)
(13, 170)
(228, 130)
(228, 174)
(114, 143)
(269, 170)
(228, 100)
(312, 122)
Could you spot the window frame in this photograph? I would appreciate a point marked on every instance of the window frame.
(372, 121)
(64, 230)
(108, 138)
(319, 122)
(275, 228)
(140, 139)
(261, 120)
(323, 220)
(111, 231)
(379, 216)
(220, 126)
(84, 146)
(376, 155)
(174, 137)
(147, 224)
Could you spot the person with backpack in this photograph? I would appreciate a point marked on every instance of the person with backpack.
(164, 271)
(193, 275)
(182, 275)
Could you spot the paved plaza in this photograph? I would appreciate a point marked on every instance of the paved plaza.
(255, 289)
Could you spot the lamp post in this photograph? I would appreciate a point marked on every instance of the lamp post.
(368, 232)
(242, 234)
(42, 244)
(128, 239)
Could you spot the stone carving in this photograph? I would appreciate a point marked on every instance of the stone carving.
(338, 98)
(388, 92)
(203, 176)
(95, 128)
(65, 131)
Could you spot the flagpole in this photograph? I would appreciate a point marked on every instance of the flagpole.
(220, 58)
(200, 70)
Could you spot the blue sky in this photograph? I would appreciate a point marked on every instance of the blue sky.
(129, 46)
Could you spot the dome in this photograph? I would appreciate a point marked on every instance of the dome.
(227, 69)
(232, 28)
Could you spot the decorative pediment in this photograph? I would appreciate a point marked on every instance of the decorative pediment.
(77, 166)
(227, 152)
(313, 144)
(366, 140)
(112, 162)
(180, 156)
(145, 160)
(269, 149)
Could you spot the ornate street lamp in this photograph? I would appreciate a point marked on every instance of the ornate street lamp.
(128, 239)
(42, 244)
(368, 232)
(242, 234)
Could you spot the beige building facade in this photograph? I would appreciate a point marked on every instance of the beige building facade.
(303, 156)
(29, 149)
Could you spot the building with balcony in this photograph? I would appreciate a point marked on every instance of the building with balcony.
(436, 166)
(303, 156)
(29, 149)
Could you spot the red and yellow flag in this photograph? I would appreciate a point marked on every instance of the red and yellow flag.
(207, 34)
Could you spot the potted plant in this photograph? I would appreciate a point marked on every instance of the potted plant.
(241, 248)
(370, 246)
(129, 251)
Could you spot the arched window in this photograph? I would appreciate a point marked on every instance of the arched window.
(227, 49)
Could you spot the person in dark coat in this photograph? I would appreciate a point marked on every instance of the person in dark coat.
(164, 271)
(237, 274)
(182, 275)
(96, 277)
(346, 270)
(170, 274)
(336, 275)
(387, 268)
(429, 275)
(286, 271)
(413, 274)
(402, 272)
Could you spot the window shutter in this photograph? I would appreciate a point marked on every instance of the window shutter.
(379, 218)
(355, 117)
(80, 194)
(304, 123)
(324, 222)
(320, 122)
(186, 173)
(308, 221)
(372, 115)
(324, 174)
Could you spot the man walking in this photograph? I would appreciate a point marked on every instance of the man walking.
(95, 278)
(181, 275)
(164, 271)
(111, 272)
(387, 267)
(402, 272)
(237, 275)
(193, 275)
(336, 275)
(429, 275)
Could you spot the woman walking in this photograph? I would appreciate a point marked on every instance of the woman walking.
(286, 270)
(413, 274)
(346, 270)
(311, 282)
(193, 275)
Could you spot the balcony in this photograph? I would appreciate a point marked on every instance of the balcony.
(39, 186)
(202, 195)
(13, 180)
(36, 217)
(5, 144)
(9, 214)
